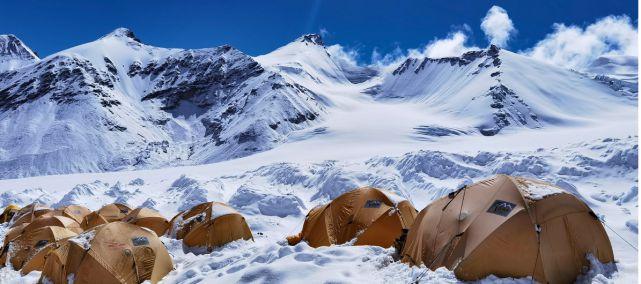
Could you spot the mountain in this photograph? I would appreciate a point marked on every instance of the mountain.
(494, 89)
(116, 103)
(621, 67)
(307, 61)
(14, 53)
(309, 126)
(619, 72)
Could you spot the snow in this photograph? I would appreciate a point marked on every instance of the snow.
(417, 135)
(608, 186)
(395, 198)
(14, 54)
(84, 239)
(537, 190)
(218, 210)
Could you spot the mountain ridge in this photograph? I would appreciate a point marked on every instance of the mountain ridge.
(116, 103)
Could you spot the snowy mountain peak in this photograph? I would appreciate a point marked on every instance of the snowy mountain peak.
(312, 38)
(14, 53)
(124, 33)
(12, 46)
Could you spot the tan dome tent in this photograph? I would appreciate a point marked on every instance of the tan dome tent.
(14, 233)
(148, 218)
(509, 227)
(8, 213)
(37, 261)
(75, 212)
(57, 221)
(30, 212)
(370, 215)
(92, 219)
(108, 213)
(210, 225)
(114, 212)
(22, 248)
(117, 252)
(43, 221)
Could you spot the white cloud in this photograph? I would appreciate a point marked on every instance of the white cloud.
(343, 54)
(388, 59)
(576, 47)
(455, 44)
(497, 26)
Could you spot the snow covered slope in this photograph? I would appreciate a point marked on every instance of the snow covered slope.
(117, 103)
(14, 53)
(619, 72)
(496, 88)
(621, 67)
(286, 131)
(306, 60)
(275, 197)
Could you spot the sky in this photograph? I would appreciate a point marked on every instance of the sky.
(365, 30)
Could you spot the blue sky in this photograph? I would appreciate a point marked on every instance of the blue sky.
(257, 27)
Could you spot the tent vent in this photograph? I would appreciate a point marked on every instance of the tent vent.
(373, 204)
(41, 243)
(501, 208)
(140, 241)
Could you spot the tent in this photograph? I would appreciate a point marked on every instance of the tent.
(371, 215)
(75, 212)
(37, 261)
(21, 249)
(57, 221)
(116, 252)
(509, 227)
(114, 211)
(92, 219)
(30, 212)
(148, 218)
(108, 213)
(14, 233)
(8, 213)
(210, 225)
(43, 221)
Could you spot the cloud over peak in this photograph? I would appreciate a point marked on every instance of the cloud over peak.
(497, 26)
(576, 47)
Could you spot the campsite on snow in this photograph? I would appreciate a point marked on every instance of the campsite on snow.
(125, 162)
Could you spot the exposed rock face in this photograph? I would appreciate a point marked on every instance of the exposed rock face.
(62, 79)
(312, 39)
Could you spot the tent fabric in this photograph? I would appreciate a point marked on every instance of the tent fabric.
(209, 225)
(509, 227)
(116, 252)
(114, 212)
(367, 214)
(37, 261)
(148, 218)
(30, 212)
(14, 233)
(21, 249)
(75, 212)
(57, 221)
(8, 213)
(92, 219)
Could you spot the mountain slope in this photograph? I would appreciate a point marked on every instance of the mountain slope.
(117, 103)
(496, 88)
(14, 53)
